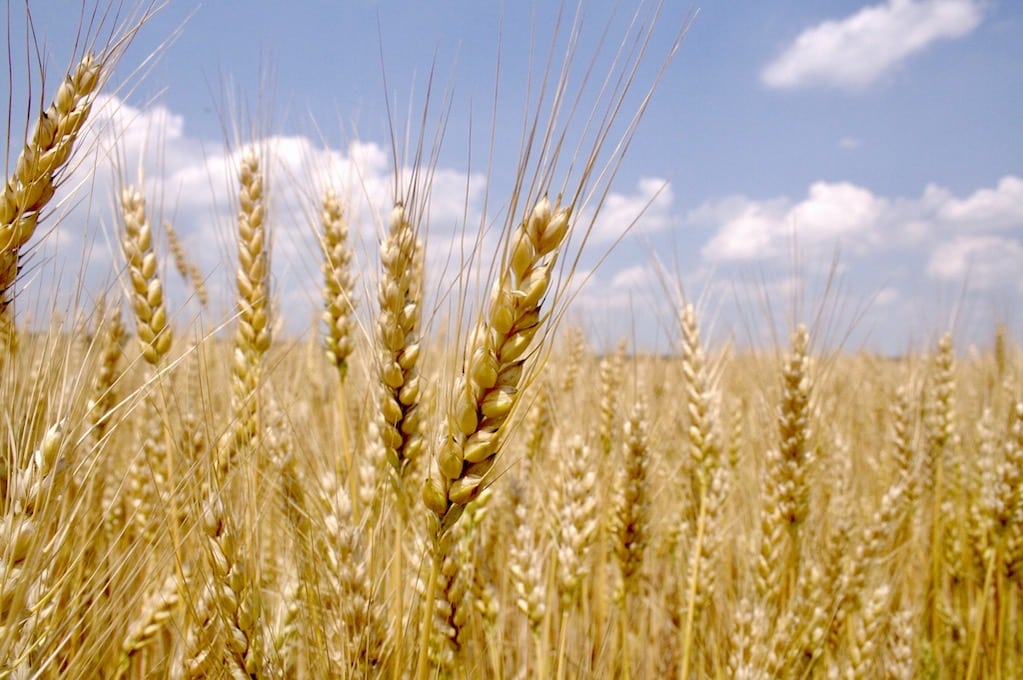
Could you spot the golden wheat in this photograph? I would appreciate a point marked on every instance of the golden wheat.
(757, 514)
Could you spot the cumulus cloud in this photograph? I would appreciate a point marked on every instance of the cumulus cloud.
(830, 213)
(855, 218)
(1000, 207)
(646, 210)
(748, 234)
(835, 210)
(620, 300)
(193, 183)
(634, 277)
(853, 52)
(974, 239)
(982, 261)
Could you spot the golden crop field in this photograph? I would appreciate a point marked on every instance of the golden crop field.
(210, 498)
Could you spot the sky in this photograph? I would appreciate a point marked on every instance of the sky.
(857, 166)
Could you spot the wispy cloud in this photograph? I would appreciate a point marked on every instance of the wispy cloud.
(853, 52)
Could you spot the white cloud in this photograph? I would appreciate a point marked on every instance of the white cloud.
(621, 301)
(997, 208)
(749, 235)
(853, 217)
(982, 261)
(853, 52)
(831, 212)
(896, 243)
(194, 183)
(634, 277)
(649, 209)
(887, 246)
(887, 296)
(834, 210)
(849, 143)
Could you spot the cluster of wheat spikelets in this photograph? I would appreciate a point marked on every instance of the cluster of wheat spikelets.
(511, 504)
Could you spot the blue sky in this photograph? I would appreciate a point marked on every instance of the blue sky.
(783, 137)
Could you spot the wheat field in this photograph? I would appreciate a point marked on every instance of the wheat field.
(494, 496)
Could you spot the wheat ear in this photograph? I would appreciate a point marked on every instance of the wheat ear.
(710, 479)
(33, 184)
(29, 491)
(865, 634)
(525, 558)
(338, 284)
(1009, 515)
(630, 522)
(492, 377)
(631, 501)
(146, 288)
(338, 312)
(252, 336)
(794, 432)
(939, 484)
(576, 519)
(400, 298)
(786, 488)
(229, 614)
(575, 341)
(611, 369)
(575, 526)
(188, 270)
(160, 605)
(1002, 515)
(103, 398)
